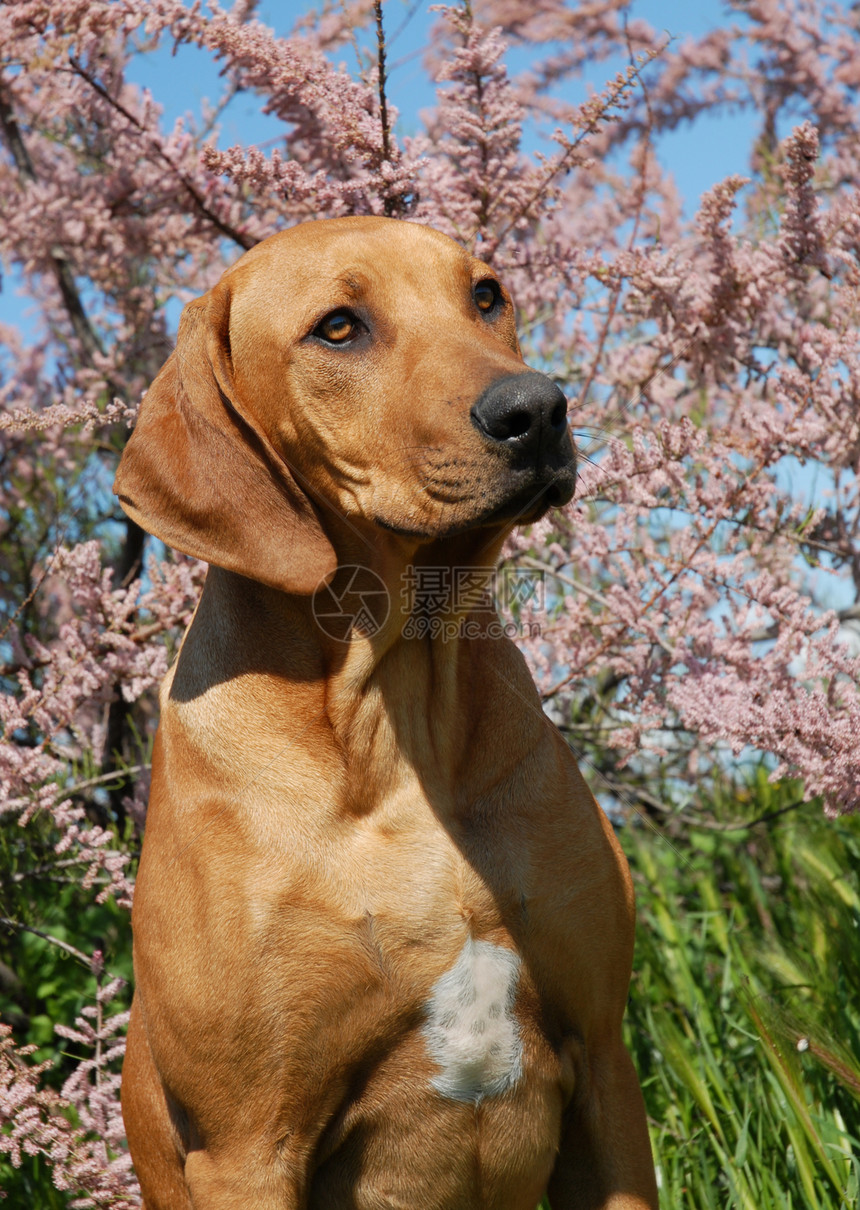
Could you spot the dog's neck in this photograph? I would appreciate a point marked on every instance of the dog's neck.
(409, 676)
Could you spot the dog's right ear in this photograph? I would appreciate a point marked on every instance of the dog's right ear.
(198, 474)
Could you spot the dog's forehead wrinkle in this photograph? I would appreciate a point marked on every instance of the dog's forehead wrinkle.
(428, 270)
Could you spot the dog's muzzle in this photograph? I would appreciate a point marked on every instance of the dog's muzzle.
(523, 417)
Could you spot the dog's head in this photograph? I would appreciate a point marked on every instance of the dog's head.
(364, 368)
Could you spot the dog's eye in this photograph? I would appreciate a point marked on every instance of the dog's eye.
(487, 295)
(337, 328)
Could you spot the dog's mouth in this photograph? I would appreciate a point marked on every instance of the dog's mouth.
(534, 500)
(532, 497)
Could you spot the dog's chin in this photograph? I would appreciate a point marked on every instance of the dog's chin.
(527, 504)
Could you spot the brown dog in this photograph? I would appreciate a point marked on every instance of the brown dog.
(382, 932)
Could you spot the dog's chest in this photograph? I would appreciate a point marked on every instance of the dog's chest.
(436, 931)
(470, 1085)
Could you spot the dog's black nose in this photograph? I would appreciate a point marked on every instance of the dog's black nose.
(526, 413)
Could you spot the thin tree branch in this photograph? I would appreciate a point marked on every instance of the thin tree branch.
(63, 945)
(81, 326)
(389, 206)
(740, 825)
(239, 237)
(565, 160)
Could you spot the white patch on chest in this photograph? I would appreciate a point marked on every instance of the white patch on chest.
(471, 1031)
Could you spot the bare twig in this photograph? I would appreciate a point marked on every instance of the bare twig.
(47, 870)
(238, 237)
(389, 205)
(566, 160)
(91, 782)
(741, 824)
(32, 594)
(81, 326)
(63, 945)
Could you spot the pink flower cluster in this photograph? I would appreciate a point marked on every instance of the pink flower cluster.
(90, 1156)
(62, 689)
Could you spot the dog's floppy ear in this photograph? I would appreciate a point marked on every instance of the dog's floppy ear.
(198, 474)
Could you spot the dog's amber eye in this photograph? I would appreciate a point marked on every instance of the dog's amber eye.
(337, 327)
(486, 295)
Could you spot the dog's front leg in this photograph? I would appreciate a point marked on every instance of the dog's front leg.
(604, 1160)
(176, 1172)
(155, 1144)
(239, 1180)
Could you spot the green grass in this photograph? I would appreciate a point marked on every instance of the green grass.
(744, 1017)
